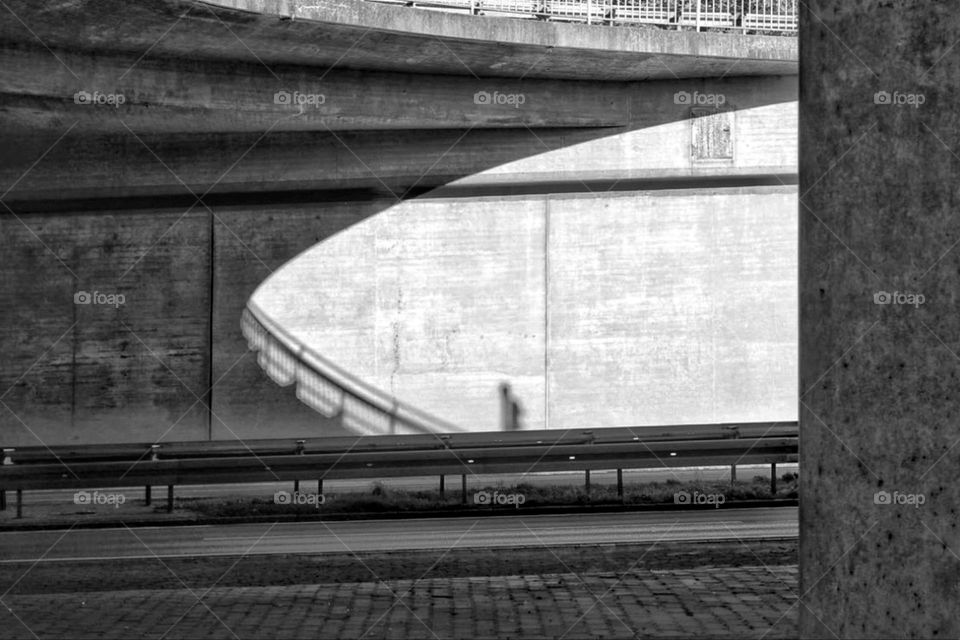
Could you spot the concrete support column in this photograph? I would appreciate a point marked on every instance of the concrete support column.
(879, 328)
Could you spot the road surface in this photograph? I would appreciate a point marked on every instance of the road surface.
(397, 535)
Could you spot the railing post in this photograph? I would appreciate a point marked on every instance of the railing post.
(733, 473)
(320, 487)
(296, 486)
(19, 503)
(169, 498)
(620, 484)
(589, 11)
(463, 488)
(773, 479)
(3, 499)
(587, 483)
(441, 486)
(146, 495)
(698, 15)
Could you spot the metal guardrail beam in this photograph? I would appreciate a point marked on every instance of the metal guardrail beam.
(266, 461)
(132, 452)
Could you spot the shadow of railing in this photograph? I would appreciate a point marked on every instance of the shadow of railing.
(329, 389)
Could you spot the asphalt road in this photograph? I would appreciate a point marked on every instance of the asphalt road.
(397, 535)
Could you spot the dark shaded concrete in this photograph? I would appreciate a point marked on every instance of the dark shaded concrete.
(109, 160)
(100, 372)
(880, 543)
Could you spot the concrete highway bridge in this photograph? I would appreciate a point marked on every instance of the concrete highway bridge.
(430, 204)
(197, 193)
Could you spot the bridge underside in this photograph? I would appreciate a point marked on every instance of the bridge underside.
(200, 185)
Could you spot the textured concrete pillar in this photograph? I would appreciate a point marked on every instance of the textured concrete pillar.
(880, 332)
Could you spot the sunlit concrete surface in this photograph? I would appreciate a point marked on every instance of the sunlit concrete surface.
(634, 308)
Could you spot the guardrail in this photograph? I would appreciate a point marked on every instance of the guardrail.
(264, 461)
(778, 17)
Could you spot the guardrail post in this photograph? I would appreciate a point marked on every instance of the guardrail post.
(733, 473)
(586, 475)
(296, 486)
(19, 503)
(441, 486)
(463, 488)
(5, 453)
(773, 479)
(169, 498)
(146, 495)
(620, 484)
(320, 487)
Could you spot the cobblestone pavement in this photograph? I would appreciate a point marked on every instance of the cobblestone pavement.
(706, 602)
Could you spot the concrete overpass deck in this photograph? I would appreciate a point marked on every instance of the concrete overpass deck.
(374, 37)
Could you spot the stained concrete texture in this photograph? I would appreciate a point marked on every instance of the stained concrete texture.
(880, 335)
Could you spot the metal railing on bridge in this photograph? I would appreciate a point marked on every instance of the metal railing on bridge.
(766, 17)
